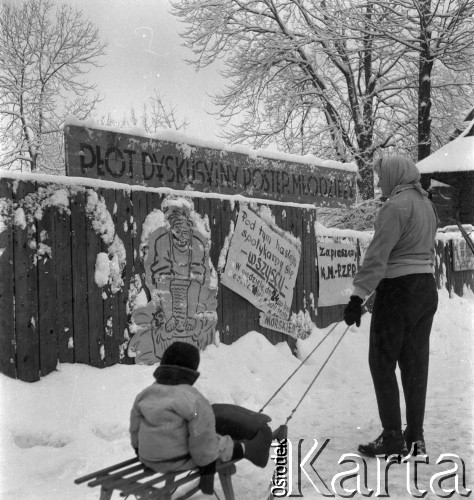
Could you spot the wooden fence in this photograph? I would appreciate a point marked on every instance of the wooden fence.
(52, 309)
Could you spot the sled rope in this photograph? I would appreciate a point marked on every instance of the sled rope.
(302, 363)
(316, 376)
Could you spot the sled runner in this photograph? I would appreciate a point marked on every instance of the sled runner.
(133, 478)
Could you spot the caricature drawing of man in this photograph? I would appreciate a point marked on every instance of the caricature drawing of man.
(179, 258)
(182, 292)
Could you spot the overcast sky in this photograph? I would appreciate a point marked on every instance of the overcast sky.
(144, 53)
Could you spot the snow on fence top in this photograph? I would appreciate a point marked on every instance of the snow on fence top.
(174, 160)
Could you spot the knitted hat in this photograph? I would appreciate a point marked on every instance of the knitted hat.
(181, 354)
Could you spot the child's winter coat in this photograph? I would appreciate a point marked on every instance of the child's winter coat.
(172, 425)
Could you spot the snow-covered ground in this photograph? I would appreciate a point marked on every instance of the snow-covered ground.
(75, 420)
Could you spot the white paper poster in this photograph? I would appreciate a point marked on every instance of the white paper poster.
(290, 328)
(462, 256)
(337, 265)
(262, 264)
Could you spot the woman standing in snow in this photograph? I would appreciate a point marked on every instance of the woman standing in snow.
(399, 265)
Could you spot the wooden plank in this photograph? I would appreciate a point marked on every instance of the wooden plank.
(96, 326)
(124, 227)
(291, 220)
(47, 308)
(309, 271)
(140, 211)
(154, 201)
(26, 293)
(7, 316)
(111, 297)
(62, 255)
(448, 256)
(215, 210)
(220, 230)
(80, 301)
(105, 471)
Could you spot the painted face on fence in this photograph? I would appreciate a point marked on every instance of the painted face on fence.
(181, 233)
(181, 225)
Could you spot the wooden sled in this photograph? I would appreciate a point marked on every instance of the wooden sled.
(133, 478)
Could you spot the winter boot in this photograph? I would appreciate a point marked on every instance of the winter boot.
(388, 443)
(257, 449)
(415, 446)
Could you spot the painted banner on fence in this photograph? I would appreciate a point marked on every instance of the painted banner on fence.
(337, 266)
(171, 161)
(262, 264)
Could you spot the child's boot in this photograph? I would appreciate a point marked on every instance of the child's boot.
(257, 449)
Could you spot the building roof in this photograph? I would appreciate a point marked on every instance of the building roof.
(456, 156)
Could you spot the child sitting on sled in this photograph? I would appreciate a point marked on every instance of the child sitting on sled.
(174, 427)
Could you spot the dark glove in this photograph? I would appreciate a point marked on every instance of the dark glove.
(353, 311)
(206, 483)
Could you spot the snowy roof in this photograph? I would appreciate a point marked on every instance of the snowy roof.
(456, 156)
(437, 184)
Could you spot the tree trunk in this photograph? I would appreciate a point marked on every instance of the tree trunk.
(424, 83)
(33, 163)
(366, 180)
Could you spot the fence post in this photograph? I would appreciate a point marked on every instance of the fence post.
(26, 291)
(7, 317)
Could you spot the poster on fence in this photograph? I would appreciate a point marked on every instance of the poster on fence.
(463, 257)
(337, 266)
(262, 264)
(288, 327)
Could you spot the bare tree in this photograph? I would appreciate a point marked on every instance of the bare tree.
(438, 36)
(311, 77)
(155, 114)
(44, 59)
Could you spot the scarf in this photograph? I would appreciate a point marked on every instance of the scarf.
(398, 174)
(175, 375)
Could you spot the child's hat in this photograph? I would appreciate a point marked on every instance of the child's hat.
(181, 354)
